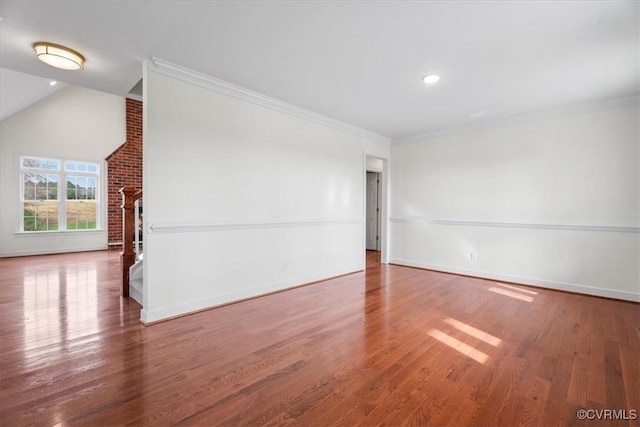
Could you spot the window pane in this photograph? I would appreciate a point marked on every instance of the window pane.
(29, 189)
(29, 216)
(40, 186)
(40, 216)
(81, 187)
(71, 188)
(81, 167)
(81, 215)
(91, 188)
(32, 162)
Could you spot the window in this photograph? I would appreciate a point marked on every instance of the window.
(59, 195)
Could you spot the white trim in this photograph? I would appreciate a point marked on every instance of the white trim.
(134, 97)
(205, 81)
(506, 224)
(45, 232)
(525, 117)
(52, 251)
(547, 284)
(173, 227)
(150, 316)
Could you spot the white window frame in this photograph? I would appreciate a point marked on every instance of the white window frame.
(62, 174)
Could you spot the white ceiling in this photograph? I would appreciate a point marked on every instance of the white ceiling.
(358, 62)
(19, 90)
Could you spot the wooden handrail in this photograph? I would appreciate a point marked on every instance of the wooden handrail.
(128, 256)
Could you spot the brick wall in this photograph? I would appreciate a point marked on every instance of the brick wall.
(124, 167)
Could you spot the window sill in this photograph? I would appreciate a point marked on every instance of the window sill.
(40, 233)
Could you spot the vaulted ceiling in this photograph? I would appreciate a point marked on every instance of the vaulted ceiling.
(358, 62)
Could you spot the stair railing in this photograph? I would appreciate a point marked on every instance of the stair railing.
(129, 231)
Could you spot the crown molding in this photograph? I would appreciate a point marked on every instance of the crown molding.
(205, 81)
(526, 117)
(134, 96)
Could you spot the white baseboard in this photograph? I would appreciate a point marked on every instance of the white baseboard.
(51, 251)
(547, 284)
(152, 316)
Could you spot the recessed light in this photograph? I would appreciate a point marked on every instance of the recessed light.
(431, 78)
(53, 83)
(58, 56)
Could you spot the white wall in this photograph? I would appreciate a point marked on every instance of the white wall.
(553, 203)
(243, 199)
(73, 123)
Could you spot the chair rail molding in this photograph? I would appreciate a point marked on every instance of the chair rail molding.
(510, 224)
(174, 227)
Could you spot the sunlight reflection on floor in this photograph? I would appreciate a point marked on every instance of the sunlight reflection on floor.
(511, 294)
(459, 346)
(476, 333)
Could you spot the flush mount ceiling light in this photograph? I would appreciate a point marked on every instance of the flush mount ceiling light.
(431, 78)
(59, 56)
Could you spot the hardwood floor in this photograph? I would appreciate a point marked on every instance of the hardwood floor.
(389, 346)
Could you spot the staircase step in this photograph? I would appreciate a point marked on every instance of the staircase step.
(135, 290)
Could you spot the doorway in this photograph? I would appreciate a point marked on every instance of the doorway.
(373, 212)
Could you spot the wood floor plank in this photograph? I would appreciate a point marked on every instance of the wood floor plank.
(597, 390)
(629, 361)
(389, 346)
